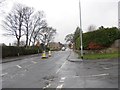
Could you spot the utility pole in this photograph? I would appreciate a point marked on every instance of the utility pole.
(81, 31)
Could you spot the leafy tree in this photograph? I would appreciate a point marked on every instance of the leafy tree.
(76, 38)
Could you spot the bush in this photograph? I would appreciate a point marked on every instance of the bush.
(99, 39)
(10, 51)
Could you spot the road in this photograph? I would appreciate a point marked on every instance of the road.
(58, 72)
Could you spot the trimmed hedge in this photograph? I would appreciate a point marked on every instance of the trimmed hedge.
(10, 51)
(102, 37)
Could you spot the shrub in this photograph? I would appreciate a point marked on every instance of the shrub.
(99, 39)
(10, 51)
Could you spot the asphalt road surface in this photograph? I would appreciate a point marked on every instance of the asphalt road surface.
(58, 72)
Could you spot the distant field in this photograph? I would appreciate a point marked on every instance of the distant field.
(101, 56)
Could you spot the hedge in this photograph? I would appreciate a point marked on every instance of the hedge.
(102, 37)
(10, 51)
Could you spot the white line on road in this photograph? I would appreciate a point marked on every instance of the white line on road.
(62, 79)
(18, 66)
(3, 74)
(101, 74)
(61, 67)
(105, 68)
(47, 86)
(105, 74)
(34, 62)
(60, 86)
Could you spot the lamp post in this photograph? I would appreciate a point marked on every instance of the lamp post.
(81, 46)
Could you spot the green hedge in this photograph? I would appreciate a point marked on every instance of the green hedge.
(10, 51)
(104, 37)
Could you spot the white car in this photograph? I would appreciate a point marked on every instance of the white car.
(63, 48)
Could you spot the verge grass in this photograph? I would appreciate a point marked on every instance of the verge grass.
(96, 56)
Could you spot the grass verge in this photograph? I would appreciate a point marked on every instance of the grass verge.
(100, 56)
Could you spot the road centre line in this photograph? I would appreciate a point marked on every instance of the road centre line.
(61, 67)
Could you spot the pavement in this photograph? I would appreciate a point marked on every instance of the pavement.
(11, 59)
(73, 57)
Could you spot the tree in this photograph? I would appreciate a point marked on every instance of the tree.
(100, 28)
(3, 4)
(38, 23)
(47, 35)
(14, 21)
(28, 11)
(22, 43)
(91, 28)
(69, 38)
(76, 38)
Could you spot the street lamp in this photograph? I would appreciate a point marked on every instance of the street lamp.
(81, 46)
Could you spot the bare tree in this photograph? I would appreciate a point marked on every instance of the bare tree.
(38, 23)
(91, 28)
(28, 11)
(46, 35)
(13, 22)
(2, 4)
(22, 43)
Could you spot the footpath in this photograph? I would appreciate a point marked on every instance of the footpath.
(73, 57)
(10, 59)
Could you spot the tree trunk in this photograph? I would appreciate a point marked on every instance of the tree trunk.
(27, 36)
(18, 42)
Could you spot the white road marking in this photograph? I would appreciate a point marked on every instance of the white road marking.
(62, 79)
(61, 67)
(101, 74)
(18, 66)
(47, 86)
(105, 68)
(105, 74)
(60, 86)
(3, 74)
(34, 62)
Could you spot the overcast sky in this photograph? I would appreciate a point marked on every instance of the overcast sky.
(64, 15)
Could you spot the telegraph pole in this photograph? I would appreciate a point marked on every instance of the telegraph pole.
(81, 46)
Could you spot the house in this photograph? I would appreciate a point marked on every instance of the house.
(55, 46)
